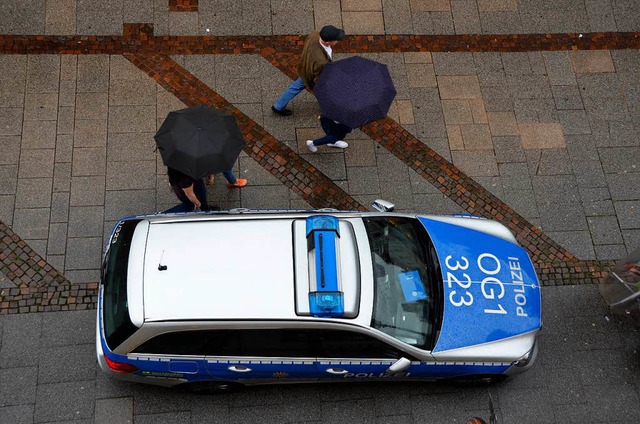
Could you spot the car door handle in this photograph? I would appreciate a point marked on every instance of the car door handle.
(337, 371)
(238, 368)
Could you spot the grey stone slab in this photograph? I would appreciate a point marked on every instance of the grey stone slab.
(39, 246)
(20, 414)
(628, 213)
(65, 401)
(574, 122)
(54, 364)
(169, 418)
(516, 63)
(137, 118)
(422, 23)
(118, 410)
(66, 117)
(559, 69)
(600, 15)
(619, 160)
(68, 328)
(10, 148)
(263, 196)
(453, 63)
(589, 173)
(86, 221)
(90, 133)
(6, 208)
(596, 201)
(64, 148)
(99, 19)
(292, 22)
(236, 90)
(11, 94)
(391, 168)
(83, 275)
(529, 86)
(501, 22)
(67, 92)
(480, 163)
(622, 186)
(39, 135)
(10, 121)
(465, 17)
(83, 253)
(241, 66)
(43, 73)
(567, 97)
(623, 134)
(93, 105)
(515, 176)
(41, 106)
(253, 172)
(133, 92)
(554, 162)
(89, 161)
(36, 163)
(59, 207)
(31, 223)
(57, 241)
(555, 189)
(33, 192)
(603, 85)
(568, 216)
(20, 340)
(631, 239)
(604, 230)
(57, 262)
(123, 203)
(577, 242)
(8, 179)
(93, 71)
(397, 16)
(625, 15)
(522, 202)
(61, 177)
(363, 180)
(183, 24)
(610, 109)
(131, 175)
(442, 22)
(610, 251)
(18, 385)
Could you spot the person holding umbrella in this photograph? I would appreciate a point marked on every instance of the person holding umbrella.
(334, 134)
(191, 192)
(316, 53)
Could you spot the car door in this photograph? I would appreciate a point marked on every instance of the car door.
(261, 355)
(349, 355)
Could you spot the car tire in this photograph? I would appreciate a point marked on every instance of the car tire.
(478, 380)
(212, 387)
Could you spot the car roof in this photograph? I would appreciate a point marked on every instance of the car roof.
(233, 267)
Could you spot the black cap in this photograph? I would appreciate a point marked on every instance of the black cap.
(331, 33)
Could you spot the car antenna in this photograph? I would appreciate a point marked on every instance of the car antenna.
(160, 266)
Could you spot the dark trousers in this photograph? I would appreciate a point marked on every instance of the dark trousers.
(186, 205)
(334, 131)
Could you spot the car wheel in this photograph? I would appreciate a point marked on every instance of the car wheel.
(479, 379)
(212, 387)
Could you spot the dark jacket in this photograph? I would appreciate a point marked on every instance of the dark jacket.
(313, 59)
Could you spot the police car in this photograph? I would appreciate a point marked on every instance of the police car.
(216, 301)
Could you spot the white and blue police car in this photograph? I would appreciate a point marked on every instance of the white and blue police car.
(216, 301)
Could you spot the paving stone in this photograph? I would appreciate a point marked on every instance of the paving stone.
(99, 19)
(131, 175)
(478, 111)
(43, 73)
(508, 149)
(123, 203)
(18, 385)
(60, 17)
(457, 112)
(90, 133)
(20, 414)
(476, 136)
(6, 208)
(628, 213)
(610, 109)
(61, 176)
(453, 63)
(610, 252)
(465, 17)
(64, 401)
(567, 216)
(83, 253)
(67, 92)
(541, 136)
(529, 86)
(577, 242)
(89, 161)
(515, 176)
(421, 75)
(66, 117)
(591, 61)
(33, 192)
(59, 207)
(328, 12)
(604, 230)
(397, 16)
(567, 97)
(57, 240)
(430, 5)
(621, 186)
(36, 163)
(140, 119)
(10, 148)
(503, 123)
(631, 238)
(39, 134)
(118, 410)
(130, 92)
(93, 105)
(8, 179)
(459, 87)
(555, 189)
(86, 221)
(454, 135)
(40, 106)
(60, 364)
(31, 223)
(93, 73)
(574, 122)
(618, 159)
(600, 14)
(20, 340)
(87, 191)
(589, 173)
(480, 163)
(596, 201)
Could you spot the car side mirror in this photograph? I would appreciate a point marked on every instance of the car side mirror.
(401, 365)
(383, 205)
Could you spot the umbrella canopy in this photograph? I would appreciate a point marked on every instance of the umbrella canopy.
(199, 140)
(355, 91)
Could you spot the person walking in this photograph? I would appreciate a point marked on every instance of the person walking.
(334, 134)
(191, 192)
(317, 52)
(232, 181)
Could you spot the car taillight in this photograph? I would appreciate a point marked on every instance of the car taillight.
(120, 367)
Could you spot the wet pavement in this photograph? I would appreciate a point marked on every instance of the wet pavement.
(538, 131)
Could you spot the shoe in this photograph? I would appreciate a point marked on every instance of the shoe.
(283, 112)
(339, 144)
(240, 182)
(210, 179)
(312, 147)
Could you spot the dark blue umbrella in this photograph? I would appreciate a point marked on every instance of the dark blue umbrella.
(355, 91)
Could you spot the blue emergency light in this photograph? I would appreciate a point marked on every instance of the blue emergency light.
(323, 232)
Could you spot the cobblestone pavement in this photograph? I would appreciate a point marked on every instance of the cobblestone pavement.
(527, 112)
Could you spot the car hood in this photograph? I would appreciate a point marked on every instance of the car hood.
(490, 288)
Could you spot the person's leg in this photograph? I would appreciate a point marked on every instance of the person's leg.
(201, 193)
(229, 176)
(232, 181)
(327, 139)
(294, 89)
(182, 207)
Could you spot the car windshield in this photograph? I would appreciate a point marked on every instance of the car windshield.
(407, 280)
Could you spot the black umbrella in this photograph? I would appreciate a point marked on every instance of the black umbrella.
(199, 140)
(355, 91)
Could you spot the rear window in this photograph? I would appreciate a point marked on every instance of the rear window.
(117, 324)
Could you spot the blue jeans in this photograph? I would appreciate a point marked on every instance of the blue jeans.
(333, 130)
(294, 89)
(186, 205)
(228, 175)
